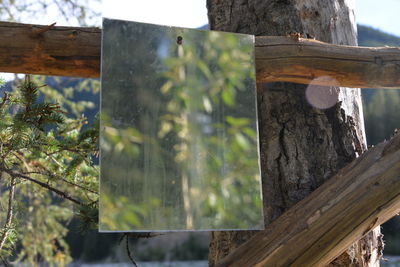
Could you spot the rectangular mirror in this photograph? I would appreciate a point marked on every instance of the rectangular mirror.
(178, 138)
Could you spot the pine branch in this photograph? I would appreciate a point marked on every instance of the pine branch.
(10, 213)
(135, 235)
(74, 184)
(62, 149)
(63, 180)
(20, 157)
(128, 251)
(44, 185)
(5, 262)
(6, 97)
(29, 94)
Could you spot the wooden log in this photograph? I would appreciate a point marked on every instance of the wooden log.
(62, 51)
(75, 51)
(363, 195)
(286, 59)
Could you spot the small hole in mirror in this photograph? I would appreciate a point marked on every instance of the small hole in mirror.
(179, 40)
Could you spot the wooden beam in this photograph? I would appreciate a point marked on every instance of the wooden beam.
(75, 51)
(62, 51)
(286, 59)
(363, 195)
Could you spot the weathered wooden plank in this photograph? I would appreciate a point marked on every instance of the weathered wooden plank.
(287, 59)
(75, 51)
(62, 51)
(363, 195)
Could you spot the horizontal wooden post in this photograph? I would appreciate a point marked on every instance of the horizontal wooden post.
(307, 61)
(75, 51)
(363, 195)
(61, 51)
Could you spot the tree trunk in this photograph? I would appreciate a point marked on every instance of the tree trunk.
(301, 146)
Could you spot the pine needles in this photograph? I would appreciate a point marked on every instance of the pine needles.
(46, 173)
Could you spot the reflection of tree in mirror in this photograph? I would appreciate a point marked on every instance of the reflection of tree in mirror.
(204, 83)
(188, 119)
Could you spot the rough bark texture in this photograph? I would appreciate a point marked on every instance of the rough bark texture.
(301, 146)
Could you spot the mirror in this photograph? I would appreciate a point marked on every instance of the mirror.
(178, 138)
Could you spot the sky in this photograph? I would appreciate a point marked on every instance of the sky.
(183, 13)
(380, 14)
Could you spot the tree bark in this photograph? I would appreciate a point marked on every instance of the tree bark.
(301, 146)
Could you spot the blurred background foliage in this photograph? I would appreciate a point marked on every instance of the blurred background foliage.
(48, 229)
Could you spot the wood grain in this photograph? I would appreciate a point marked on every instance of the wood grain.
(75, 51)
(61, 51)
(304, 61)
(363, 195)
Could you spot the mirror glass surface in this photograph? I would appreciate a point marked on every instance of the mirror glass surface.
(178, 137)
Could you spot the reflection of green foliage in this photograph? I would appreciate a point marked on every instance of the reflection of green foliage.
(117, 140)
(194, 138)
(122, 215)
(211, 81)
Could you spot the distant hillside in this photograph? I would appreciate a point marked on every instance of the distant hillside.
(368, 36)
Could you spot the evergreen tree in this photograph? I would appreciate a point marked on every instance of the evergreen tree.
(47, 175)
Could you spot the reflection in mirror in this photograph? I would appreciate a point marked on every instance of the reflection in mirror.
(179, 147)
